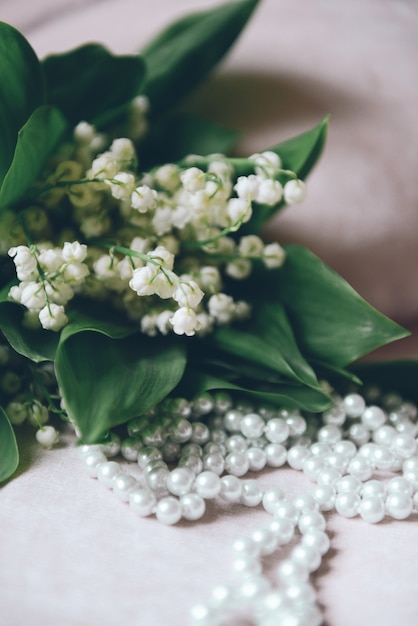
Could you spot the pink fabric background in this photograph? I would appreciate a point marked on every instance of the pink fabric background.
(71, 554)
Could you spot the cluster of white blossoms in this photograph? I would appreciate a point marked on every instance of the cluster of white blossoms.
(161, 245)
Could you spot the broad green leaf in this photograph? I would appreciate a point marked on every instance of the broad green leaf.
(9, 454)
(180, 134)
(87, 315)
(36, 140)
(105, 382)
(21, 89)
(36, 345)
(183, 54)
(332, 322)
(267, 340)
(291, 396)
(88, 82)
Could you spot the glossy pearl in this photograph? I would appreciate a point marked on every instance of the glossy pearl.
(180, 481)
(168, 510)
(207, 485)
(276, 430)
(142, 501)
(107, 471)
(236, 463)
(347, 504)
(372, 509)
(354, 405)
(373, 417)
(252, 425)
(231, 489)
(92, 460)
(257, 459)
(252, 493)
(193, 506)
(276, 454)
(399, 505)
(317, 539)
(297, 455)
(123, 484)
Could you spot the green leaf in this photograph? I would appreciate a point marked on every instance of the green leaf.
(88, 82)
(332, 322)
(36, 345)
(21, 89)
(9, 453)
(285, 395)
(105, 382)
(36, 140)
(86, 315)
(183, 54)
(267, 340)
(180, 134)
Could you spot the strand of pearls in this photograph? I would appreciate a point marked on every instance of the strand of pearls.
(362, 460)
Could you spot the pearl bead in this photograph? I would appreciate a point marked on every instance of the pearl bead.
(373, 488)
(412, 477)
(301, 594)
(236, 443)
(308, 556)
(252, 425)
(359, 434)
(321, 449)
(208, 485)
(384, 435)
(265, 539)
(272, 498)
(360, 467)
(297, 425)
(245, 546)
(142, 501)
(372, 509)
(257, 459)
(107, 471)
(156, 479)
(191, 461)
(181, 430)
(335, 415)
(399, 484)
(276, 430)
(354, 405)
(348, 483)
(328, 477)
(236, 463)
(347, 504)
(287, 510)
(373, 417)
(123, 484)
(329, 434)
(276, 454)
(311, 520)
(383, 458)
(180, 481)
(284, 530)
(290, 572)
(317, 539)
(112, 447)
(305, 502)
(230, 489)
(297, 455)
(337, 461)
(170, 451)
(399, 505)
(168, 510)
(193, 506)
(346, 448)
(246, 567)
(200, 433)
(194, 449)
(92, 460)
(147, 454)
(325, 497)
(313, 466)
(404, 445)
(410, 464)
(232, 420)
(214, 463)
(130, 448)
(252, 493)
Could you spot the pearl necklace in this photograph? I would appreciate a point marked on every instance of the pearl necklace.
(211, 445)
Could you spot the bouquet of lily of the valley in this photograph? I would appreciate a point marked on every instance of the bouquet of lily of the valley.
(133, 269)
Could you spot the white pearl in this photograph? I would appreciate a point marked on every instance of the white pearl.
(367, 450)
(276, 430)
(348, 483)
(257, 459)
(360, 467)
(112, 447)
(347, 504)
(359, 434)
(194, 449)
(329, 476)
(123, 484)
(214, 463)
(272, 498)
(410, 464)
(156, 479)
(373, 417)
(193, 506)
(373, 488)
(246, 567)
(412, 477)
(130, 448)
(321, 449)
(236, 463)
(346, 448)
(297, 455)
(404, 445)
(290, 572)
(265, 539)
(236, 443)
(92, 460)
(372, 509)
(354, 405)
(168, 510)
(230, 489)
(253, 587)
(171, 451)
(232, 420)
(335, 415)
(245, 546)
(337, 461)
(252, 425)
(329, 434)
(399, 505)
(147, 454)
(308, 556)
(181, 430)
(287, 510)
(325, 496)
(180, 481)
(252, 493)
(201, 615)
(305, 502)
(107, 471)
(383, 458)
(399, 484)
(311, 520)
(200, 433)
(208, 485)
(297, 425)
(284, 530)
(384, 435)
(192, 462)
(317, 539)
(301, 594)
(276, 454)
(313, 466)
(142, 501)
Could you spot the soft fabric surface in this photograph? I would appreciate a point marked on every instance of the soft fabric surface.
(73, 555)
